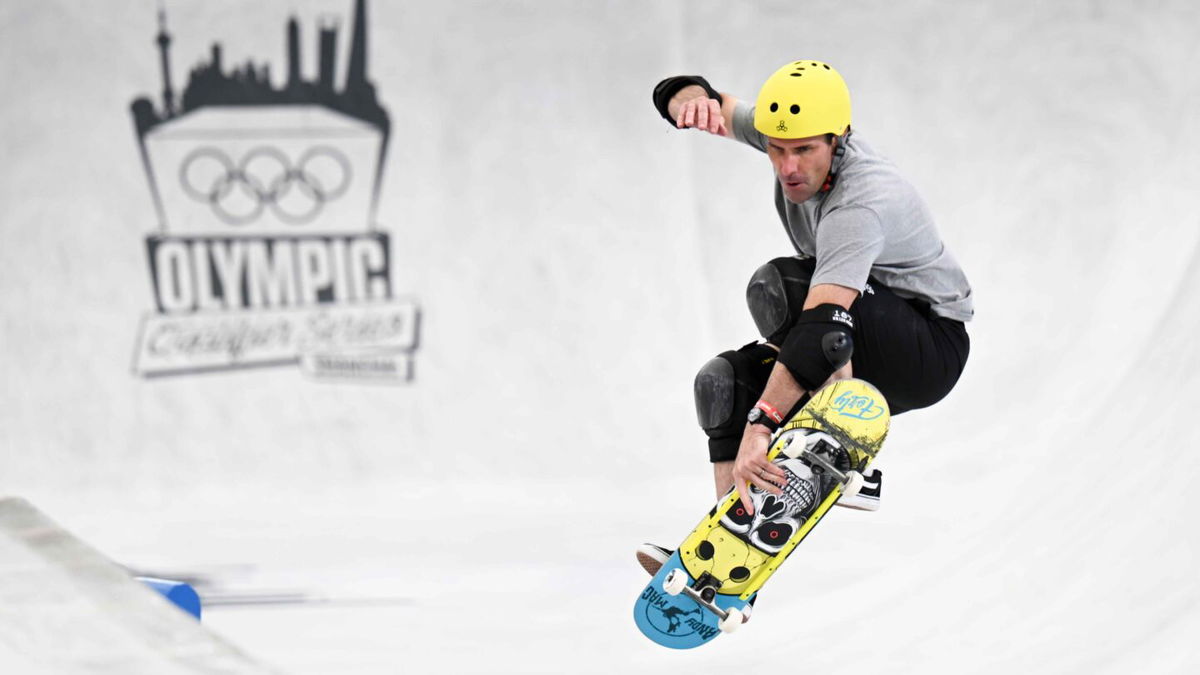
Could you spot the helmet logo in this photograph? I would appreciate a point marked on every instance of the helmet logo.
(782, 126)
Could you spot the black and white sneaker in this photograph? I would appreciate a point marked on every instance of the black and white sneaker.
(867, 498)
(652, 557)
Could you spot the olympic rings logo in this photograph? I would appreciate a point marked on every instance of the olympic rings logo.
(265, 178)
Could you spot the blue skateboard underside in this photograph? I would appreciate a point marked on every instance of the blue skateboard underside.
(678, 621)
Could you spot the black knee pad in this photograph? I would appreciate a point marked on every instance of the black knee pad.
(776, 295)
(728, 386)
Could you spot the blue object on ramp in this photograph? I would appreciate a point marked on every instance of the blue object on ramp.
(182, 595)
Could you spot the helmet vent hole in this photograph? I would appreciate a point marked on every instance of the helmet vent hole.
(797, 74)
(774, 107)
(826, 67)
(795, 108)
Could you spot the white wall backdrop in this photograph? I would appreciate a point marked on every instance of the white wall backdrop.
(576, 261)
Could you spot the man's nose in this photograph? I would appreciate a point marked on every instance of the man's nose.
(789, 164)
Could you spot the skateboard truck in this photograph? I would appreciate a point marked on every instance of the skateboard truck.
(852, 481)
(703, 592)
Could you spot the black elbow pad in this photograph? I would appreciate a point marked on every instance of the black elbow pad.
(821, 342)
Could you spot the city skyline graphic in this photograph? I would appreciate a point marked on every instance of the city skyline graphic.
(209, 84)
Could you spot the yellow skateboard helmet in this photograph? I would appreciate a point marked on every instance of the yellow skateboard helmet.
(802, 99)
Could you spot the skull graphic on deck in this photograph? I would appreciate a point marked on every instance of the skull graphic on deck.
(776, 517)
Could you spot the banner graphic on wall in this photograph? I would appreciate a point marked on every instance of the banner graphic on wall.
(267, 251)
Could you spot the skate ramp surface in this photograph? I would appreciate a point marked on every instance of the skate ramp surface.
(576, 261)
(64, 608)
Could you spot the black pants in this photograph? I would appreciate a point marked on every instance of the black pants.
(913, 357)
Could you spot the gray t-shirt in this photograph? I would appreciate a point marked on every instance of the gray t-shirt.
(874, 223)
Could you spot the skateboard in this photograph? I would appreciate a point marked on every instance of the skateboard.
(704, 588)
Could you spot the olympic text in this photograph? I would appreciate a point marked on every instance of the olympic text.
(214, 273)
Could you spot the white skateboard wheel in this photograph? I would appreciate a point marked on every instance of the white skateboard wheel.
(732, 620)
(854, 483)
(675, 582)
(793, 443)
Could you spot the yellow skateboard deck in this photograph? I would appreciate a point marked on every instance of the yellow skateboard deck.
(742, 551)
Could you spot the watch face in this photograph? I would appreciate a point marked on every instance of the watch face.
(755, 415)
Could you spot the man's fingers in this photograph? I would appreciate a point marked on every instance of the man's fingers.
(703, 114)
(766, 484)
(777, 472)
(744, 495)
(714, 116)
(768, 477)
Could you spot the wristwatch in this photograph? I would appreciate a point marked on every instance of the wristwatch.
(759, 416)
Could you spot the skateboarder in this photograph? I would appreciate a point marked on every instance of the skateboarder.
(872, 291)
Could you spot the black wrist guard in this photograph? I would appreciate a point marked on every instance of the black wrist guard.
(666, 90)
(821, 342)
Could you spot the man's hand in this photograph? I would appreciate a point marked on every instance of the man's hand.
(752, 466)
(702, 113)
(691, 108)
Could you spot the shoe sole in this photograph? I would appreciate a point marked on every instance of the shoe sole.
(651, 565)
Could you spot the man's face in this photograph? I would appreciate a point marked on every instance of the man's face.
(801, 165)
